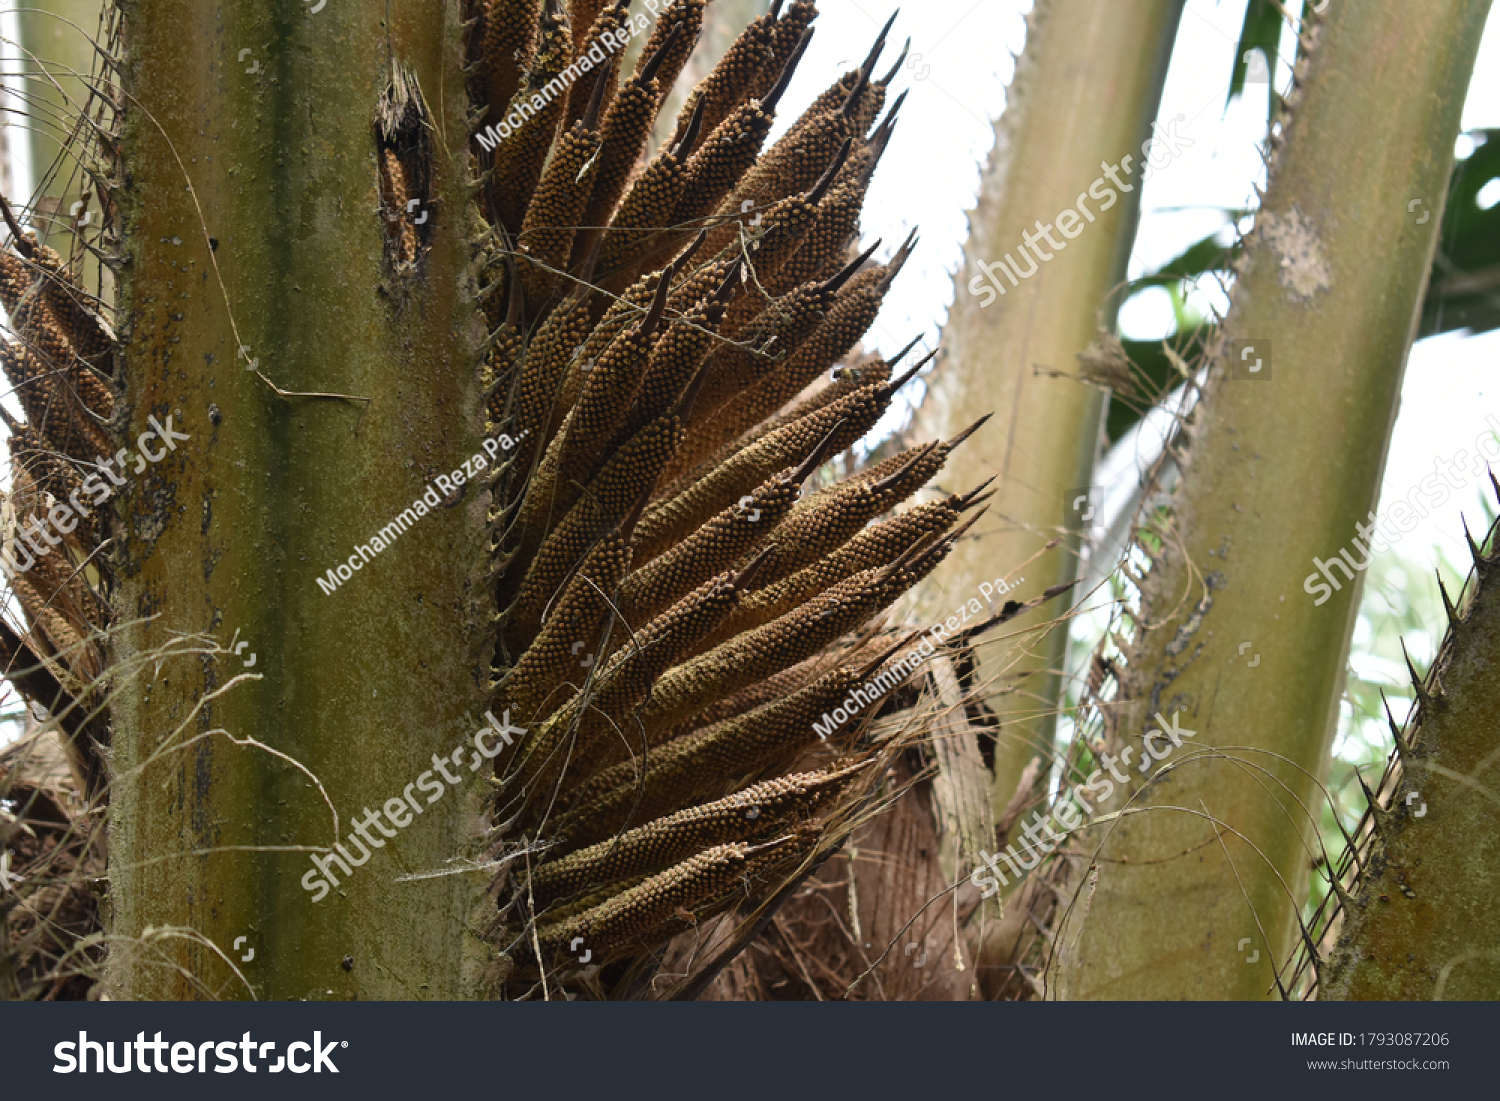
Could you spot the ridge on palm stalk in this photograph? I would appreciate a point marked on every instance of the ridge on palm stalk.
(671, 609)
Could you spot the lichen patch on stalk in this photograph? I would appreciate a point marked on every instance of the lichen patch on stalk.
(1302, 264)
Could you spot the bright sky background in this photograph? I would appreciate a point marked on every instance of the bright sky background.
(961, 60)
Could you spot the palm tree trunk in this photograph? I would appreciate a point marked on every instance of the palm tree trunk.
(269, 245)
(1057, 128)
(1421, 924)
(1283, 464)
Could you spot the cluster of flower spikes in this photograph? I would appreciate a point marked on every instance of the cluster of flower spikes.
(60, 362)
(673, 609)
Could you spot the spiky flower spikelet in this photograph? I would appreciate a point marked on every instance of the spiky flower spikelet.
(666, 593)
